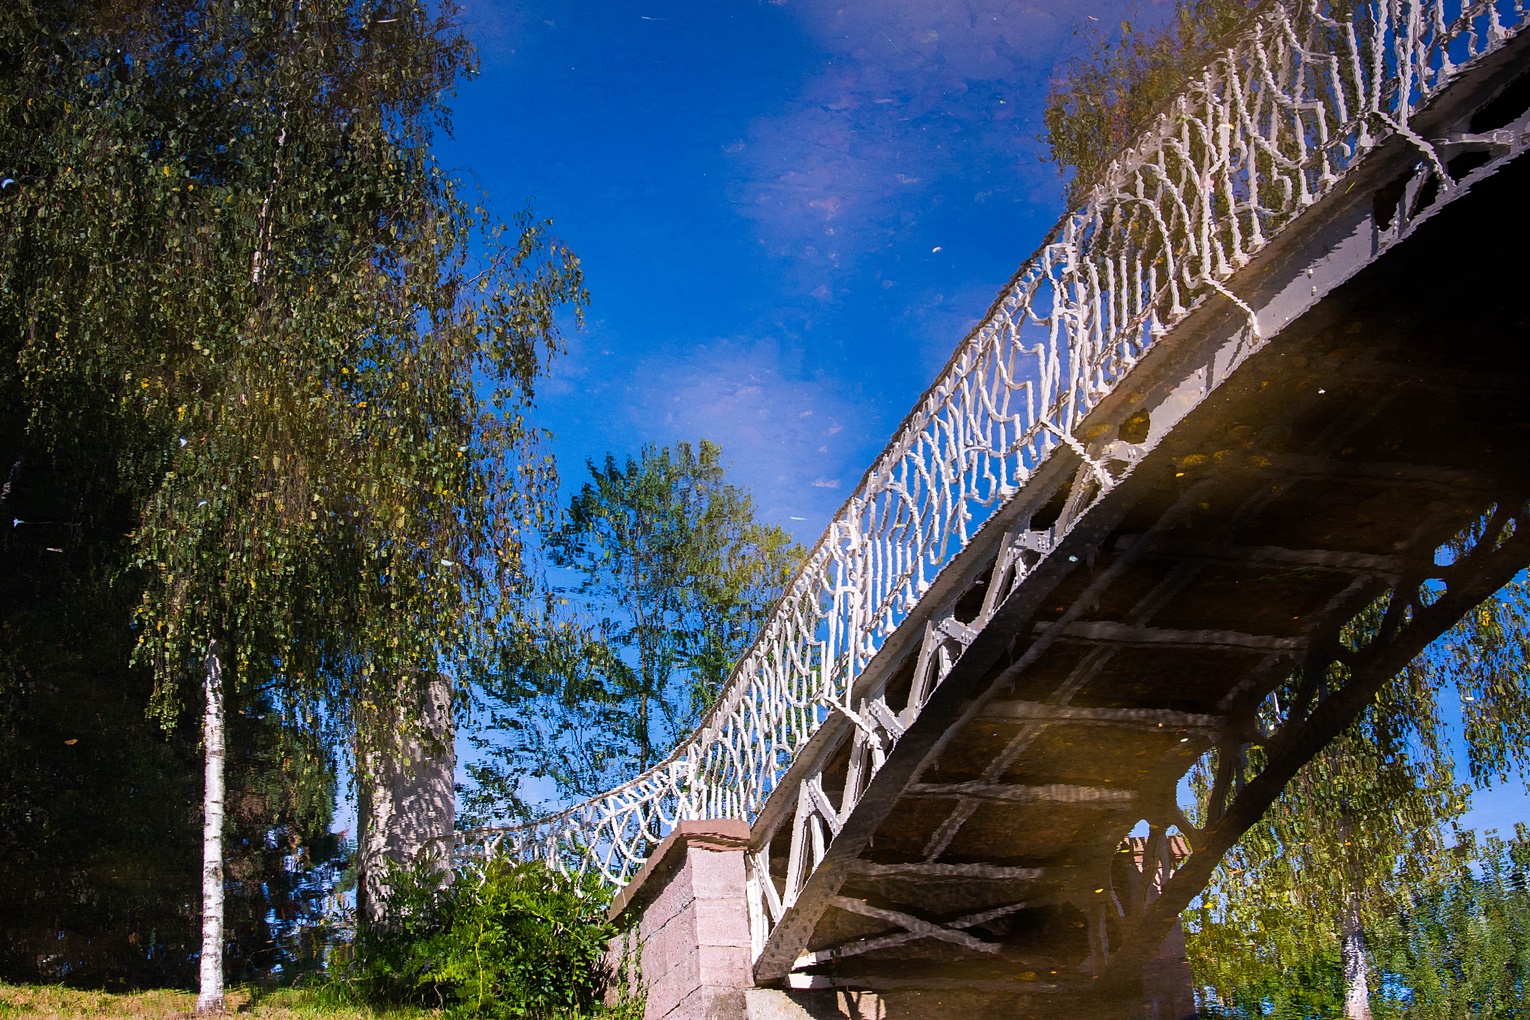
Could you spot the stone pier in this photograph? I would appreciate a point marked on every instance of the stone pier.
(691, 924)
(691, 931)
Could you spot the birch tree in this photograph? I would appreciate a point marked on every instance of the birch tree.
(667, 577)
(229, 253)
(1355, 835)
(1370, 827)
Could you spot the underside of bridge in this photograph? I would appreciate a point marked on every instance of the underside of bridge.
(1327, 470)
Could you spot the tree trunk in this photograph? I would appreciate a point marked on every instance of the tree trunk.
(406, 806)
(210, 994)
(1357, 995)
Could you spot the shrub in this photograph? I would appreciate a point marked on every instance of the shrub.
(506, 940)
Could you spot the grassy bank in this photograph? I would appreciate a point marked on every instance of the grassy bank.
(55, 1002)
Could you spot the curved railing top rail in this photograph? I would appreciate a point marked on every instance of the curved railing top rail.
(1265, 130)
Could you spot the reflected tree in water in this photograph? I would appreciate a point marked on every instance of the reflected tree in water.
(1358, 882)
(231, 265)
(668, 575)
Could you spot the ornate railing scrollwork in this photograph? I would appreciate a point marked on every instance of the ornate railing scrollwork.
(1268, 128)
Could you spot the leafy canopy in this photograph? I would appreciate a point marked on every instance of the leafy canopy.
(1462, 948)
(670, 576)
(230, 261)
(1109, 95)
(1369, 827)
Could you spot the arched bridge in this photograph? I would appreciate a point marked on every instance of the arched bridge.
(1246, 433)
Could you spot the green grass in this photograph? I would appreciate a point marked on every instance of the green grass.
(55, 1002)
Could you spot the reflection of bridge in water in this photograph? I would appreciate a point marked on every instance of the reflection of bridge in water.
(1236, 403)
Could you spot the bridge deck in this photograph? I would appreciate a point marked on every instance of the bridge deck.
(1244, 391)
(1330, 466)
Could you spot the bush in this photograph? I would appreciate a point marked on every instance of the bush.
(507, 940)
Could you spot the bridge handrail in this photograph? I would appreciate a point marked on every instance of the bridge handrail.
(1265, 130)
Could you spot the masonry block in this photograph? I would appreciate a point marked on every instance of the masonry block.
(721, 922)
(692, 923)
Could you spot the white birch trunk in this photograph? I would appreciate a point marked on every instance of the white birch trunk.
(1357, 995)
(210, 993)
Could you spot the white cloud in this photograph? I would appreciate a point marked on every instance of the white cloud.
(736, 392)
(911, 100)
(789, 431)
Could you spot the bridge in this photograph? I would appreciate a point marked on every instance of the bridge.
(1243, 436)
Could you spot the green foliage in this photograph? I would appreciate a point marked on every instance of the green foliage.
(508, 940)
(281, 862)
(1459, 948)
(674, 576)
(1358, 829)
(1366, 832)
(1486, 660)
(1107, 97)
(232, 262)
(98, 834)
(279, 350)
(1307, 990)
(1462, 949)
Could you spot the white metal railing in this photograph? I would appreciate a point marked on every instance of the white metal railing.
(1267, 128)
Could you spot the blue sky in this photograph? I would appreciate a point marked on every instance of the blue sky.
(788, 211)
